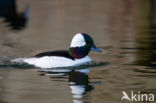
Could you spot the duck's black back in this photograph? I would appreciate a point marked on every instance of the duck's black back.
(60, 53)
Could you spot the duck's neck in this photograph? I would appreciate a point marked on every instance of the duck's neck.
(79, 52)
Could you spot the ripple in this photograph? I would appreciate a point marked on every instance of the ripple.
(5, 62)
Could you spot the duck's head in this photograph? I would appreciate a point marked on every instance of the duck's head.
(81, 44)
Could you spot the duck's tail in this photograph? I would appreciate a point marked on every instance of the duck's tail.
(18, 60)
(30, 61)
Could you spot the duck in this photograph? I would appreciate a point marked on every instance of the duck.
(76, 55)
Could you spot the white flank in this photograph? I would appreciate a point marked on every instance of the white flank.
(31, 61)
(52, 61)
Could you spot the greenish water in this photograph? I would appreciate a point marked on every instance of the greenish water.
(125, 30)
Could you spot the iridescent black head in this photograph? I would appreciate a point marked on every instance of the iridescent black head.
(81, 44)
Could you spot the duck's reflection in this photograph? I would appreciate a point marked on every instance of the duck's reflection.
(78, 82)
(8, 11)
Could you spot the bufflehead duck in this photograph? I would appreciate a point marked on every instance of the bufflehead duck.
(80, 46)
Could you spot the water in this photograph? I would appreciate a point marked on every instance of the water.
(124, 30)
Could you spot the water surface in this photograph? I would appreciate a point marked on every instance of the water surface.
(125, 31)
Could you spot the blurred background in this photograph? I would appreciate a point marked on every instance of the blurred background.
(125, 30)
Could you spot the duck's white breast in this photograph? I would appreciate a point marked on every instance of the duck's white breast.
(54, 61)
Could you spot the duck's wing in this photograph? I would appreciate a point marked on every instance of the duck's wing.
(59, 53)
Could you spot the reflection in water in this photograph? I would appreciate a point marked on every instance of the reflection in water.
(8, 11)
(146, 38)
(78, 82)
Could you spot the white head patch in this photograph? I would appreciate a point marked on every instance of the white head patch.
(78, 41)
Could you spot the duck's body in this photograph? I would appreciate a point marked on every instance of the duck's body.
(60, 58)
(76, 55)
